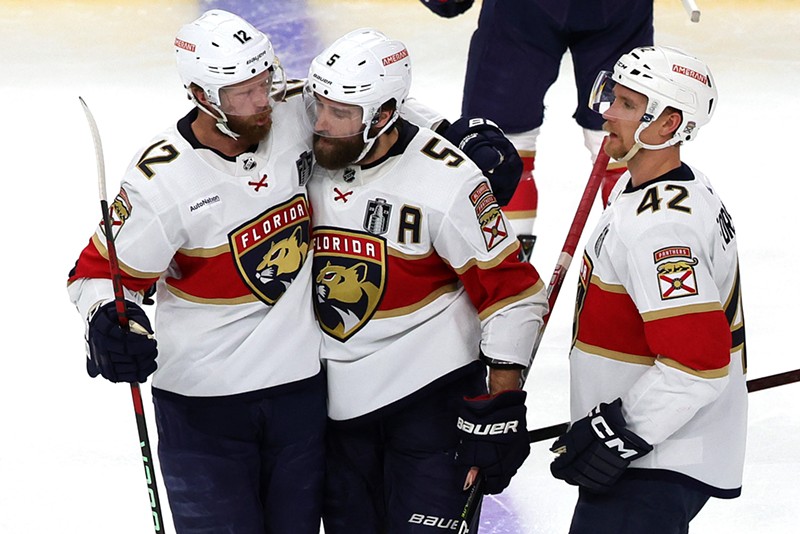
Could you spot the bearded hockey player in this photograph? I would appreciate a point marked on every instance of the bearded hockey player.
(214, 212)
(417, 288)
(658, 391)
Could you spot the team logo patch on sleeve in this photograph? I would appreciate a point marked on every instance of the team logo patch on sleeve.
(119, 212)
(270, 250)
(675, 272)
(490, 218)
(349, 279)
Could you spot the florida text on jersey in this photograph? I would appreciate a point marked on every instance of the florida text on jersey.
(407, 249)
(226, 240)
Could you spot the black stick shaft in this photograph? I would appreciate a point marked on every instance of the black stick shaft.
(756, 384)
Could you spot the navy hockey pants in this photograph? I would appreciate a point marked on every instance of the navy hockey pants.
(516, 52)
(398, 474)
(239, 465)
(635, 506)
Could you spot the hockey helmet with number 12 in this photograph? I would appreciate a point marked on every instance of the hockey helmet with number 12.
(218, 50)
(668, 77)
(364, 69)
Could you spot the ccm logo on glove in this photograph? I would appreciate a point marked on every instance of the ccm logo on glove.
(487, 430)
(603, 432)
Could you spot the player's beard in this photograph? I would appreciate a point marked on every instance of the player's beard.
(252, 128)
(337, 152)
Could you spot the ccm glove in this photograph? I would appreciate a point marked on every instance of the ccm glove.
(488, 147)
(597, 449)
(493, 437)
(448, 8)
(121, 355)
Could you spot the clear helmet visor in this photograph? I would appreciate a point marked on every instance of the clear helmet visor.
(250, 97)
(612, 100)
(329, 118)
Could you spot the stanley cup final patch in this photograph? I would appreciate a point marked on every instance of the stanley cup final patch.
(675, 272)
(376, 219)
(490, 218)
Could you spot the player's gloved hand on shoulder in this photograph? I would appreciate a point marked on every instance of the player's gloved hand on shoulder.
(493, 437)
(448, 8)
(488, 147)
(597, 449)
(121, 355)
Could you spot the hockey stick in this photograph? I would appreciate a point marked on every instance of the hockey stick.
(756, 384)
(122, 314)
(470, 515)
(692, 10)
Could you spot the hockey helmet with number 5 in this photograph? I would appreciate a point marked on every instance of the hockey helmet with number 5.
(365, 69)
(668, 77)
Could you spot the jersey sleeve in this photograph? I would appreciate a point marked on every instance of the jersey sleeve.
(670, 278)
(144, 250)
(476, 239)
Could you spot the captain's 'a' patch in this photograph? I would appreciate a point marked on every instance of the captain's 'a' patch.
(675, 272)
(490, 218)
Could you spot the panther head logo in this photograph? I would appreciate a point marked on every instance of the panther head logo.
(283, 259)
(345, 298)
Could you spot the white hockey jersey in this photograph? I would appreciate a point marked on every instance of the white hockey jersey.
(659, 323)
(415, 271)
(226, 240)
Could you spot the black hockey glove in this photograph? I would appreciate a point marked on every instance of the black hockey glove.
(597, 449)
(488, 147)
(118, 354)
(448, 8)
(494, 437)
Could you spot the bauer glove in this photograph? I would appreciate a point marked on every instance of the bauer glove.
(494, 437)
(488, 147)
(118, 354)
(448, 8)
(597, 449)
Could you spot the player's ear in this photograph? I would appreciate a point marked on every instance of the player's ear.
(670, 120)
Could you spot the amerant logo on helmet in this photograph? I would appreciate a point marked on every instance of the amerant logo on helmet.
(686, 71)
(184, 45)
(394, 58)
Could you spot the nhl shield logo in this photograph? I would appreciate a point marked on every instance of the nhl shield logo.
(270, 249)
(349, 279)
(376, 220)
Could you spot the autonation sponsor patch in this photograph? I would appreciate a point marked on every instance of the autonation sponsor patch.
(204, 203)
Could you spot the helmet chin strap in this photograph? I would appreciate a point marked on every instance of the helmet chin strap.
(222, 120)
(639, 144)
(369, 141)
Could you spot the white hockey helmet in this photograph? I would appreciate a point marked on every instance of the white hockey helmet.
(220, 49)
(668, 77)
(365, 69)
